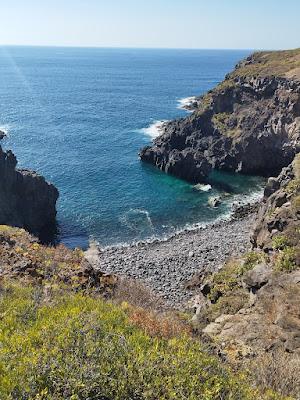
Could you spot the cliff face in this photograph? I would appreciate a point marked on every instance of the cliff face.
(250, 123)
(279, 213)
(26, 199)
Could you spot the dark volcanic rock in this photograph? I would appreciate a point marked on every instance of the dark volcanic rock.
(248, 124)
(26, 199)
(2, 135)
(186, 164)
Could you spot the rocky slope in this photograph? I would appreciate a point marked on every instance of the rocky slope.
(279, 214)
(26, 199)
(250, 308)
(250, 123)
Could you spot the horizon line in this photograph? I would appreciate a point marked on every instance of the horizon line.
(136, 47)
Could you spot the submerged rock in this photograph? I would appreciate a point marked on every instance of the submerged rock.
(2, 135)
(214, 201)
(27, 200)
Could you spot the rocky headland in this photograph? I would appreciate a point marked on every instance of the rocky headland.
(27, 200)
(250, 123)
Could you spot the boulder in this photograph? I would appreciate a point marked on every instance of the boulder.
(257, 277)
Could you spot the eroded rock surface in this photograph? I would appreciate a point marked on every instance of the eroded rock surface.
(27, 200)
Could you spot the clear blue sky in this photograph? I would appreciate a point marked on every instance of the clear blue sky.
(250, 24)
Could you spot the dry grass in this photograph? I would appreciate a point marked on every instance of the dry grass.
(137, 294)
(277, 371)
(159, 325)
(272, 63)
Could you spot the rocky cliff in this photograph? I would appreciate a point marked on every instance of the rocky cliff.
(250, 308)
(250, 123)
(26, 199)
(278, 219)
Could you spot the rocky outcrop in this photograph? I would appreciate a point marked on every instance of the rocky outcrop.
(27, 200)
(250, 123)
(23, 258)
(278, 219)
(268, 322)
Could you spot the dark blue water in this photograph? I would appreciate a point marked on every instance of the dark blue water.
(77, 117)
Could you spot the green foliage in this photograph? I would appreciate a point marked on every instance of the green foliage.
(59, 345)
(280, 242)
(220, 121)
(293, 186)
(251, 259)
(287, 259)
(296, 204)
(230, 303)
(228, 278)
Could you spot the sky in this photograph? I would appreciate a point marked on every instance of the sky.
(213, 24)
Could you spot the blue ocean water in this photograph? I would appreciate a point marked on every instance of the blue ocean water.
(78, 116)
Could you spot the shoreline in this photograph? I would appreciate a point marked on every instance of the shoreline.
(166, 266)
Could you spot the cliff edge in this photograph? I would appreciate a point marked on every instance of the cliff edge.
(27, 200)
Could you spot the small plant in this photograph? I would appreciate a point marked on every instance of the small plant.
(251, 259)
(293, 186)
(286, 260)
(280, 242)
(220, 121)
(296, 204)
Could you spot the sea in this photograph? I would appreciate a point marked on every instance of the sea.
(79, 116)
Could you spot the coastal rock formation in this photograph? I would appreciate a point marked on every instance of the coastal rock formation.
(23, 258)
(27, 200)
(278, 219)
(250, 307)
(250, 123)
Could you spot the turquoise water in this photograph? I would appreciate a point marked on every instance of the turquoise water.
(78, 116)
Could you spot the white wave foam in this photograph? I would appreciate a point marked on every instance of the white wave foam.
(155, 129)
(242, 199)
(5, 129)
(225, 217)
(186, 102)
(203, 188)
(137, 219)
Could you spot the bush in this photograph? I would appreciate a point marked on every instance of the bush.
(287, 260)
(280, 242)
(59, 345)
(228, 279)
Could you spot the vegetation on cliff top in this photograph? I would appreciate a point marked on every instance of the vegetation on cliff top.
(62, 345)
(284, 64)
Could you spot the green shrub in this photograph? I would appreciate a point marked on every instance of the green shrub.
(286, 259)
(296, 204)
(279, 242)
(293, 186)
(228, 279)
(59, 345)
(251, 259)
(230, 303)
